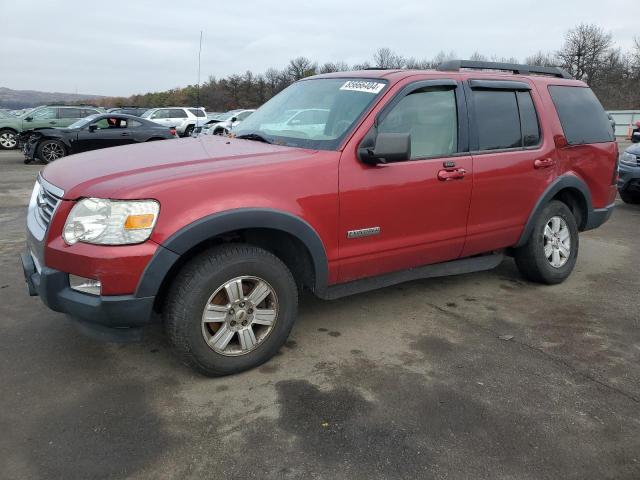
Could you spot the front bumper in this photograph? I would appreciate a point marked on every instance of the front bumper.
(107, 311)
(628, 177)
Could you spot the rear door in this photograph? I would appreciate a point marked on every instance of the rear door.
(69, 115)
(401, 215)
(514, 160)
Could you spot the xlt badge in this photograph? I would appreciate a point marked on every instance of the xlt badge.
(363, 232)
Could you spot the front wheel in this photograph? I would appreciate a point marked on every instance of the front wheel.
(188, 131)
(230, 309)
(8, 139)
(51, 150)
(632, 198)
(552, 249)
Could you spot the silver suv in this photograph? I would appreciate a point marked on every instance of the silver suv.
(185, 120)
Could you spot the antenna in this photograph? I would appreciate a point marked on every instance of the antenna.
(197, 129)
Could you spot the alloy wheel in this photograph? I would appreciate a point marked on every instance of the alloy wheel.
(557, 241)
(52, 151)
(8, 140)
(239, 316)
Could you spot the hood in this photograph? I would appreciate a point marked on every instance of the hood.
(634, 149)
(123, 172)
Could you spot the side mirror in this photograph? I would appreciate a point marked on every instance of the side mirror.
(234, 119)
(93, 128)
(635, 138)
(389, 147)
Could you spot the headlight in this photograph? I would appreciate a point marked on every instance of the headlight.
(629, 159)
(110, 222)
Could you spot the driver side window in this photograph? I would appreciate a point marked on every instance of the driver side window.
(430, 117)
(46, 113)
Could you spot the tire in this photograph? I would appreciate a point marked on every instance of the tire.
(27, 161)
(8, 139)
(632, 198)
(51, 150)
(199, 290)
(532, 259)
(188, 131)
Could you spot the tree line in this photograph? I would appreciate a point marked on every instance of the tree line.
(588, 53)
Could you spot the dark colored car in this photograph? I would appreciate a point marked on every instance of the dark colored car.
(414, 174)
(629, 175)
(135, 111)
(91, 133)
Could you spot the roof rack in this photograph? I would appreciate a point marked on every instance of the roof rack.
(456, 65)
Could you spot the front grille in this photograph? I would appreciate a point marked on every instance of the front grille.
(46, 204)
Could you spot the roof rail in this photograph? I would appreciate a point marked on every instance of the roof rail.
(456, 65)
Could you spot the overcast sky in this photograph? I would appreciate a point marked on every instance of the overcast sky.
(124, 47)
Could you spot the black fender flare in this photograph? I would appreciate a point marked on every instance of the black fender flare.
(560, 183)
(170, 251)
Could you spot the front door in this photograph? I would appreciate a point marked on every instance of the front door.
(400, 215)
(103, 133)
(42, 118)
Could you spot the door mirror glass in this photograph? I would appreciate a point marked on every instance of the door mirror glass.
(389, 147)
(93, 127)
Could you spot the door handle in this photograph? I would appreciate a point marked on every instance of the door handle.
(124, 134)
(52, 122)
(544, 163)
(446, 175)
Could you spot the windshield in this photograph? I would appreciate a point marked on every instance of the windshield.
(227, 116)
(313, 113)
(84, 121)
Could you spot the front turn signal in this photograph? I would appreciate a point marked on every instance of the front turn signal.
(137, 222)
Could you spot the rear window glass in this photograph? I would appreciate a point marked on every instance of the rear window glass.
(498, 119)
(197, 112)
(582, 117)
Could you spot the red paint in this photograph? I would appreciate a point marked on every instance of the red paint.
(427, 212)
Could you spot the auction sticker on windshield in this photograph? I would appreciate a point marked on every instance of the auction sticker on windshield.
(362, 86)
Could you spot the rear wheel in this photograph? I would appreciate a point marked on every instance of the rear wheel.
(630, 197)
(8, 139)
(51, 150)
(188, 131)
(230, 309)
(552, 249)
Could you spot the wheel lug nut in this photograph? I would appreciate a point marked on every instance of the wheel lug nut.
(241, 304)
(250, 311)
(231, 311)
(233, 323)
(244, 324)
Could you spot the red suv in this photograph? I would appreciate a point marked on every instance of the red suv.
(387, 176)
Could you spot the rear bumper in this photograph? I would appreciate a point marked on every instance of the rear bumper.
(598, 216)
(110, 311)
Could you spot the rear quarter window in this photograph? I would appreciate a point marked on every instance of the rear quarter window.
(582, 117)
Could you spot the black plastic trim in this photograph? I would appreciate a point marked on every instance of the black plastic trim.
(117, 311)
(213, 225)
(595, 218)
(499, 85)
(455, 267)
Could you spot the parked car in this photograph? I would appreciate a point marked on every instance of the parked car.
(135, 111)
(46, 116)
(415, 174)
(185, 120)
(90, 133)
(309, 120)
(224, 123)
(629, 175)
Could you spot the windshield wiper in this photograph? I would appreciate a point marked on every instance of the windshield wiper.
(254, 136)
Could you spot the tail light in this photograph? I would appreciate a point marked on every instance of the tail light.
(614, 180)
(173, 131)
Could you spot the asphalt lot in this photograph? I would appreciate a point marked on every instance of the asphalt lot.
(412, 381)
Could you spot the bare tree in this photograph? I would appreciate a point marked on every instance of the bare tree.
(478, 57)
(301, 67)
(387, 58)
(330, 67)
(584, 50)
(542, 59)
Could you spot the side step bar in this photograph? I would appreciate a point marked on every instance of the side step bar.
(454, 267)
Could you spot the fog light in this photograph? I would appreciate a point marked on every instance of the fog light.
(85, 285)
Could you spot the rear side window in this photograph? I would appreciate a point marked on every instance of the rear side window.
(498, 119)
(197, 112)
(582, 117)
(70, 113)
(177, 113)
(528, 120)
